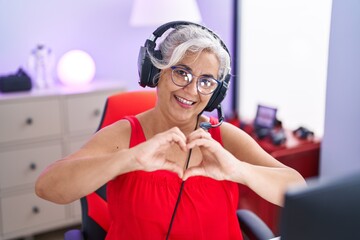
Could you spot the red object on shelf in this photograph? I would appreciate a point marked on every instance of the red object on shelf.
(302, 155)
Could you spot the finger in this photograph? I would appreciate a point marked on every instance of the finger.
(201, 131)
(173, 167)
(178, 132)
(181, 143)
(193, 171)
(200, 142)
(179, 138)
(172, 136)
(199, 134)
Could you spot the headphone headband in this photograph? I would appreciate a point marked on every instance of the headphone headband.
(148, 73)
(163, 28)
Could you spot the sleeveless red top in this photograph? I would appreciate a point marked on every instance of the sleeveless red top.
(141, 203)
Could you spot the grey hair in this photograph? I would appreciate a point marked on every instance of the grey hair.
(185, 39)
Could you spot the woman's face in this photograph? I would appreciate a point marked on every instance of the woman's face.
(182, 104)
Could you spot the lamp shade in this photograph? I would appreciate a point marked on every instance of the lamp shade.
(76, 67)
(157, 12)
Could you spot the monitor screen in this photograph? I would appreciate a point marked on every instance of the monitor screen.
(324, 210)
(265, 117)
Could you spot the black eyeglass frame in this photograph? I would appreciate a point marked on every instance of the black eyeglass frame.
(192, 77)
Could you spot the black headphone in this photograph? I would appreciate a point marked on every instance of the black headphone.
(148, 72)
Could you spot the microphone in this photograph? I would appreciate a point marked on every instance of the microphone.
(206, 125)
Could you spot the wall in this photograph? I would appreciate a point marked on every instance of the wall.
(283, 59)
(340, 150)
(99, 27)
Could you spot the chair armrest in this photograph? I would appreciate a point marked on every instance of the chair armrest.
(252, 226)
(74, 234)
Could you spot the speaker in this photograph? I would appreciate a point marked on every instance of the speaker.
(148, 72)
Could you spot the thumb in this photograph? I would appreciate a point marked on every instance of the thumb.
(193, 171)
(173, 167)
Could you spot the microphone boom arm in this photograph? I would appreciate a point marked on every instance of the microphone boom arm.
(206, 125)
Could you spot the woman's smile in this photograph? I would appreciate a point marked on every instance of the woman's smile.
(184, 102)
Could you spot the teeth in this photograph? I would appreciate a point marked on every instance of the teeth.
(182, 100)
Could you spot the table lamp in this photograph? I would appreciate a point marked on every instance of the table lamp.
(76, 68)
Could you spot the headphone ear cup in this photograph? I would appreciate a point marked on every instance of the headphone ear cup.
(154, 71)
(218, 95)
(147, 71)
(143, 67)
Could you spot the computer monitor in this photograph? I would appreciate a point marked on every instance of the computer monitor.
(325, 210)
(265, 117)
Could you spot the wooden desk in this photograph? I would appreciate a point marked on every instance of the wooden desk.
(302, 155)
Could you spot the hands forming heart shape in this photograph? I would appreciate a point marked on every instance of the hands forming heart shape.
(216, 162)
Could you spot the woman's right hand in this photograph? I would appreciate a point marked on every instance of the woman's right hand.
(151, 154)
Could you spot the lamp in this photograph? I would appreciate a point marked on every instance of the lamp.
(75, 68)
(158, 12)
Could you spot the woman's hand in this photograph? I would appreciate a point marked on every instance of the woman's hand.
(151, 155)
(216, 163)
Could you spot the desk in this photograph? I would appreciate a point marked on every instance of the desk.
(302, 155)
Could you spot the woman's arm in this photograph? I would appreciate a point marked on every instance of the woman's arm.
(242, 160)
(103, 158)
(257, 169)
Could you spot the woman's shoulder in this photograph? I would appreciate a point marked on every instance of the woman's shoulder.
(119, 127)
(116, 134)
(233, 135)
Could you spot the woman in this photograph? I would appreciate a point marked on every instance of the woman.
(146, 158)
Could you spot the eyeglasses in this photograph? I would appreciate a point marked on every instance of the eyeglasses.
(182, 77)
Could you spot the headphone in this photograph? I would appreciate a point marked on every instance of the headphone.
(148, 73)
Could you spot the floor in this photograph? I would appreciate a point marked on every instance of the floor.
(54, 235)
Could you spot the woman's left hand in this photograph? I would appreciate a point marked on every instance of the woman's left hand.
(217, 162)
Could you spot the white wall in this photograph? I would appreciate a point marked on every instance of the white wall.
(283, 59)
(340, 149)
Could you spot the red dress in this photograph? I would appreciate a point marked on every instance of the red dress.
(141, 203)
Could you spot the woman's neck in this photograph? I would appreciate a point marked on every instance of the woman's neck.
(154, 122)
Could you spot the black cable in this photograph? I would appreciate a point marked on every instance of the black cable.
(181, 188)
(178, 198)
